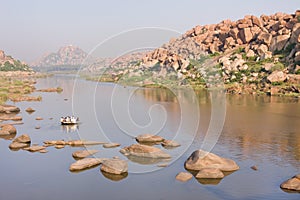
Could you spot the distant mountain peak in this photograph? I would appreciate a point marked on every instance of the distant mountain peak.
(69, 55)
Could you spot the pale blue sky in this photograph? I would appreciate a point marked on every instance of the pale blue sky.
(30, 28)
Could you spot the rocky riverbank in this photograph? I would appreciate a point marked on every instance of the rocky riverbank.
(253, 55)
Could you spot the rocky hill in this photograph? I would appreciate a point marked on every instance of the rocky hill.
(66, 56)
(250, 55)
(8, 63)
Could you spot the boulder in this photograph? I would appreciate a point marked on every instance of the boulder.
(184, 176)
(201, 159)
(22, 139)
(85, 164)
(18, 145)
(39, 118)
(262, 49)
(245, 35)
(83, 153)
(114, 166)
(295, 33)
(144, 138)
(170, 144)
(279, 42)
(210, 173)
(277, 76)
(264, 37)
(111, 145)
(145, 151)
(256, 21)
(292, 184)
(7, 129)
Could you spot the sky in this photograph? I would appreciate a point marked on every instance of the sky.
(32, 28)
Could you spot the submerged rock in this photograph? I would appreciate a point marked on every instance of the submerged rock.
(30, 110)
(114, 166)
(83, 153)
(199, 160)
(111, 145)
(39, 118)
(292, 184)
(148, 138)
(184, 176)
(210, 173)
(140, 150)
(85, 164)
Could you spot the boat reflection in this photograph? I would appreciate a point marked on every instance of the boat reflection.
(70, 128)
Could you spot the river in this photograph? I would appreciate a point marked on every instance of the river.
(258, 130)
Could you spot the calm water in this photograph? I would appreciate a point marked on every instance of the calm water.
(259, 131)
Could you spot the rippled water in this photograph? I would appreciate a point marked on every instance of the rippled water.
(258, 130)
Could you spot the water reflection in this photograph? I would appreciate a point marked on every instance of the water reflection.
(114, 177)
(146, 161)
(70, 128)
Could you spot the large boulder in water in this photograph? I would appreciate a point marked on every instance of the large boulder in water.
(199, 160)
(114, 166)
(145, 151)
(292, 184)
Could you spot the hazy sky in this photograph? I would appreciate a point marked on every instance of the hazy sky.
(30, 28)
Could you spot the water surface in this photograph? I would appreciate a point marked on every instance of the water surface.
(258, 130)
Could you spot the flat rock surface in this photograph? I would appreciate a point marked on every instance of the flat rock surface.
(83, 153)
(111, 145)
(170, 144)
(35, 148)
(140, 150)
(144, 138)
(85, 164)
(114, 166)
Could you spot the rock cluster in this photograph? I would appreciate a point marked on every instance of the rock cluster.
(246, 51)
(209, 165)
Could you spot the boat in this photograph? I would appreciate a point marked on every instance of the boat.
(69, 120)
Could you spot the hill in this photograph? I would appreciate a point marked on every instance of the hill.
(250, 55)
(66, 58)
(8, 63)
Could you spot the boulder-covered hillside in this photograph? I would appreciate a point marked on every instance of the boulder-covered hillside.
(251, 55)
(8, 63)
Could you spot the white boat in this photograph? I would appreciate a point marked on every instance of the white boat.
(69, 120)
